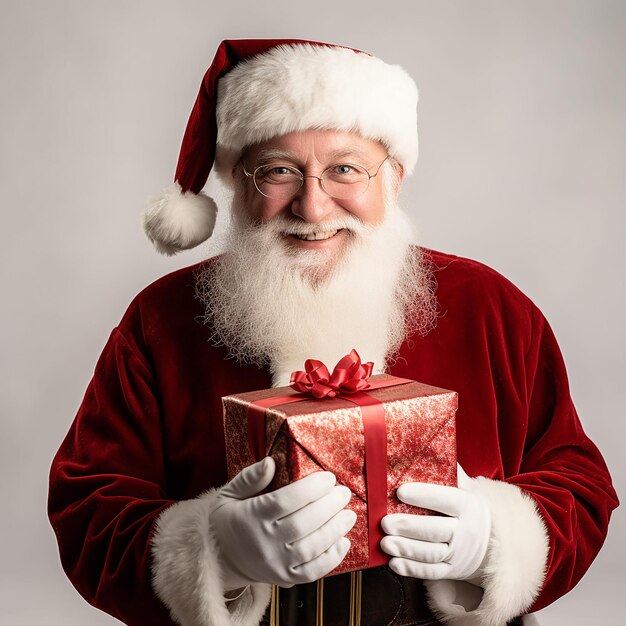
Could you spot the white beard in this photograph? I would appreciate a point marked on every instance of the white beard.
(272, 305)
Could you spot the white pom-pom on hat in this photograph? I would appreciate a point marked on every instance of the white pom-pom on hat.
(176, 220)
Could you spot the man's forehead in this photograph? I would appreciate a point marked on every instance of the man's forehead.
(269, 154)
(322, 145)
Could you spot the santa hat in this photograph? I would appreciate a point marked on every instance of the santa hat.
(257, 89)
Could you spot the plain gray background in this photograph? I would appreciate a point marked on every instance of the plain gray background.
(522, 138)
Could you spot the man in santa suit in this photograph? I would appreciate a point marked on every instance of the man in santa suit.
(315, 140)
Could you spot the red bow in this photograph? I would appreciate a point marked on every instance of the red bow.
(348, 376)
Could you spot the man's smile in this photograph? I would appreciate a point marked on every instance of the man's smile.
(317, 235)
(318, 239)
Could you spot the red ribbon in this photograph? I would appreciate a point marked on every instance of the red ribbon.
(347, 381)
(348, 376)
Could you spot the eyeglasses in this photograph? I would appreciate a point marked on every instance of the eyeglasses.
(343, 181)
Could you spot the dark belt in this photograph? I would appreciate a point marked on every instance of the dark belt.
(386, 599)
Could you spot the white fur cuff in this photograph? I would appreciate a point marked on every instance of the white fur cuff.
(187, 574)
(516, 561)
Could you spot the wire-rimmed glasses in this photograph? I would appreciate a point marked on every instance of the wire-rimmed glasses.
(342, 181)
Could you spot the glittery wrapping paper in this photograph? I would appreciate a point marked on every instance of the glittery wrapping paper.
(312, 435)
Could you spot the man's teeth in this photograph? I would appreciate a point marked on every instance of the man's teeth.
(327, 234)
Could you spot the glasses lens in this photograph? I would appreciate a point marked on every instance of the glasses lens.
(344, 181)
(279, 182)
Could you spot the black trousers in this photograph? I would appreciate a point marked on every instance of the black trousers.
(387, 600)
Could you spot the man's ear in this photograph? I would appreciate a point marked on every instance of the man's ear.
(400, 179)
(398, 176)
(240, 181)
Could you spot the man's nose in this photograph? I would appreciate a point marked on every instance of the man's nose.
(312, 203)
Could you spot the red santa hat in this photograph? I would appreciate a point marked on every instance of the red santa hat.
(257, 89)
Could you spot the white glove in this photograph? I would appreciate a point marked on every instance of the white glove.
(293, 535)
(431, 547)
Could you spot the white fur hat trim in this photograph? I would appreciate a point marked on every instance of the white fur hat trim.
(296, 87)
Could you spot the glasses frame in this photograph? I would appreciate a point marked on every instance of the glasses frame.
(320, 178)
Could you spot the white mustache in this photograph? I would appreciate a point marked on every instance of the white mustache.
(285, 226)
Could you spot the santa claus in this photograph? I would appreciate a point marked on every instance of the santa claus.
(315, 141)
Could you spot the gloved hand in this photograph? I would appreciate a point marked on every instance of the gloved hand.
(432, 547)
(293, 535)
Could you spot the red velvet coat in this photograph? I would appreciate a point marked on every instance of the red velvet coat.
(149, 431)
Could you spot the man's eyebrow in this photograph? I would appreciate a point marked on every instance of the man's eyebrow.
(352, 151)
(274, 153)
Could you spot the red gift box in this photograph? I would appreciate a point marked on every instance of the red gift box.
(373, 440)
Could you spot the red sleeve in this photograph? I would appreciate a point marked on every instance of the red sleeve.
(107, 486)
(562, 470)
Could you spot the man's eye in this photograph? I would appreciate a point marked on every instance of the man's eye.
(343, 169)
(277, 173)
(345, 173)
